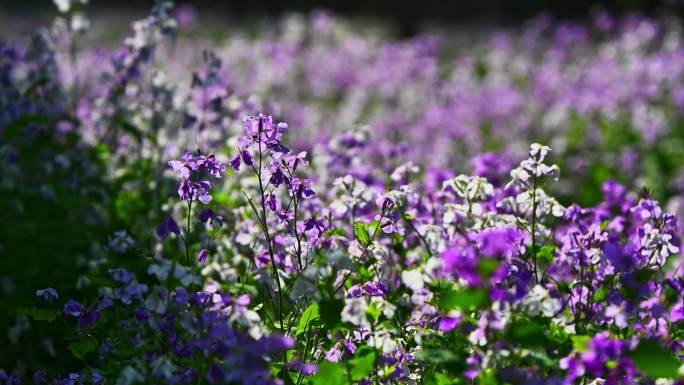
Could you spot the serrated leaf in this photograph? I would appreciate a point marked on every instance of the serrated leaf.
(330, 373)
(82, 347)
(310, 315)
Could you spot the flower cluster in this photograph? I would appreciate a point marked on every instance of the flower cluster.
(361, 258)
(189, 169)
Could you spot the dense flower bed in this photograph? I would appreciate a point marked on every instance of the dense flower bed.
(165, 230)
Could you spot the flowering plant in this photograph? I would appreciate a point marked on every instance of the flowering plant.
(359, 259)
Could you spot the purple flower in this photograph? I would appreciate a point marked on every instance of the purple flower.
(447, 324)
(182, 296)
(97, 379)
(277, 343)
(293, 161)
(215, 374)
(121, 275)
(142, 314)
(208, 216)
(462, 261)
(301, 188)
(235, 162)
(499, 242)
(246, 157)
(39, 377)
(73, 308)
(189, 170)
(278, 177)
(166, 228)
(48, 294)
(88, 318)
(202, 256)
(271, 201)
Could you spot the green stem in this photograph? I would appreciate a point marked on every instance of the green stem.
(187, 234)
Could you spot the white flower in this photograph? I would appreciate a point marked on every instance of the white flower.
(598, 381)
(161, 269)
(413, 279)
(658, 244)
(129, 376)
(79, 22)
(355, 311)
(382, 339)
(538, 301)
(403, 171)
(121, 241)
(539, 151)
(63, 5)
(470, 187)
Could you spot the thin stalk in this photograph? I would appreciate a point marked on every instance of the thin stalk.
(534, 228)
(187, 234)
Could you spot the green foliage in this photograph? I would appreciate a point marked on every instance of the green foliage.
(464, 299)
(526, 332)
(330, 373)
(83, 346)
(654, 360)
(330, 312)
(362, 365)
(581, 343)
(361, 232)
(309, 318)
(40, 314)
(450, 360)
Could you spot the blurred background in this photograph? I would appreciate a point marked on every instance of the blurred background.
(406, 17)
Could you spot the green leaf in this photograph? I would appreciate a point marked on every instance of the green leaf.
(545, 254)
(17, 126)
(82, 347)
(655, 361)
(437, 356)
(340, 232)
(601, 294)
(453, 362)
(40, 314)
(527, 332)
(361, 232)
(467, 299)
(581, 343)
(373, 311)
(330, 311)
(487, 267)
(362, 366)
(330, 373)
(310, 315)
(440, 379)
(543, 358)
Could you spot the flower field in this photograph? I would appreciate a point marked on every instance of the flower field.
(318, 202)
